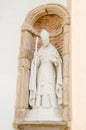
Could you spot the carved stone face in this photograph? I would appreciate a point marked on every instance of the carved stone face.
(45, 41)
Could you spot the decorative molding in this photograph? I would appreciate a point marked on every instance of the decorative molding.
(44, 10)
(27, 27)
(66, 21)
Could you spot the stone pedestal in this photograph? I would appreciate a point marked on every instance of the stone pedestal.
(23, 125)
(43, 114)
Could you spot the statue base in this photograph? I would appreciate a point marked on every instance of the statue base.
(25, 125)
(41, 119)
(44, 114)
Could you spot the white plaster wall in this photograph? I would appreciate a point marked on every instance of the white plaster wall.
(79, 64)
(12, 14)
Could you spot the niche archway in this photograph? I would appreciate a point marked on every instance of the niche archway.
(60, 37)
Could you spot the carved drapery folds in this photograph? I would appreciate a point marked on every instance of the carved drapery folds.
(60, 38)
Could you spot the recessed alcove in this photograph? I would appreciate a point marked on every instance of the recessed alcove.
(55, 19)
(53, 24)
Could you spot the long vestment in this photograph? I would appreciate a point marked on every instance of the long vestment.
(46, 82)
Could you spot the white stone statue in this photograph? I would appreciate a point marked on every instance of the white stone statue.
(46, 78)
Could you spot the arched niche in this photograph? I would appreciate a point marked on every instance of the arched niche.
(60, 38)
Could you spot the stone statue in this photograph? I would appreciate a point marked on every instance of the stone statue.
(46, 77)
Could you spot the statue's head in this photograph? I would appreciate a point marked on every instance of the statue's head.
(45, 37)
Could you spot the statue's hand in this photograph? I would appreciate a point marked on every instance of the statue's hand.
(56, 64)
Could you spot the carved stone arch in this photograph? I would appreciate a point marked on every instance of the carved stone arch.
(43, 10)
(29, 32)
(46, 9)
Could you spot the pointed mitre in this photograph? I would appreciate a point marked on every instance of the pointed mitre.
(44, 34)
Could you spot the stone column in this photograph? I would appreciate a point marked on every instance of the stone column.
(66, 70)
(25, 55)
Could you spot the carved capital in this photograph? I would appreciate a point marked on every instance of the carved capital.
(66, 22)
(27, 27)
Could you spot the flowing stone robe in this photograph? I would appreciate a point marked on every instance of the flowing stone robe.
(46, 78)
